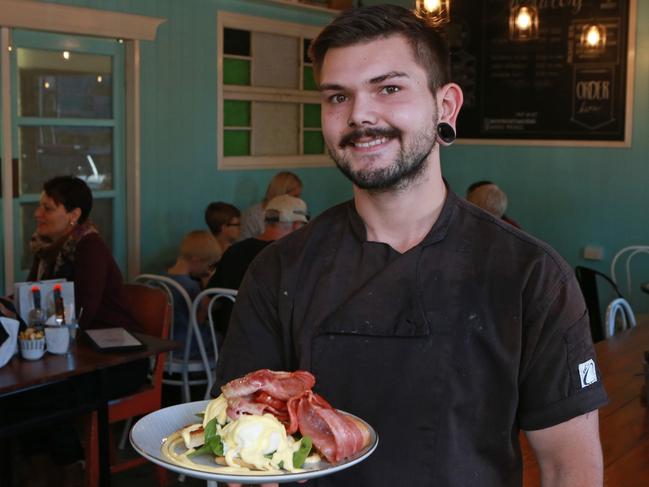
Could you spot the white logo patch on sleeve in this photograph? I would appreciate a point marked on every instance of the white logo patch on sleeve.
(587, 373)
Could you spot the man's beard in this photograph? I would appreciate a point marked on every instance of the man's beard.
(405, 170)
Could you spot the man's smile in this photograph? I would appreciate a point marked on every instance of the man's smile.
(370, 143)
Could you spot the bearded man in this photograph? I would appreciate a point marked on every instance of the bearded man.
(446, 329)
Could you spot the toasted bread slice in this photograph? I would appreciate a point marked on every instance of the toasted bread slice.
(193, 436)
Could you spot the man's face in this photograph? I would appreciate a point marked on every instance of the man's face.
(378, 114)
(232, 229)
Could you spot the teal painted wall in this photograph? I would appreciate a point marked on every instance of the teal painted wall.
(179, 176)
(570, 197)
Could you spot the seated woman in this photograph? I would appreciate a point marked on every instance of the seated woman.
(67, 245)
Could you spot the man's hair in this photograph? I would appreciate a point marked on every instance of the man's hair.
(284, 182)
(218, 214)
(70, 192)
(491, 198)
(363, 24)
(200, 244)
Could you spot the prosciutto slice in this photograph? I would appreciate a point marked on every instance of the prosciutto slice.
(336, 435)
(279, 385)
(288, 396)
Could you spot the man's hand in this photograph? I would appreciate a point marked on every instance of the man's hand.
(569, 453)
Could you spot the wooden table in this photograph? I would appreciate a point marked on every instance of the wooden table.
(624, 422)
(20, 375)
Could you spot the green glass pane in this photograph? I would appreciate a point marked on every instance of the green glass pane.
(236, 113)
(309, 82)
(312, 115)
(236, 71)
(236, 143)
(313, 143)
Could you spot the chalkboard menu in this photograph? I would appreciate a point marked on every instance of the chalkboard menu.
(550, 88)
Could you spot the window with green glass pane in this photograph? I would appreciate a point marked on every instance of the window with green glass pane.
(271, 106)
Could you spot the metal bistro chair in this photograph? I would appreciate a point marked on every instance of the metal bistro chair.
(627, 254)
(184, 365)
(603, 325)
(214, 294)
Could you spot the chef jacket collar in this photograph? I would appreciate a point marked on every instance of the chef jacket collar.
(436, 234)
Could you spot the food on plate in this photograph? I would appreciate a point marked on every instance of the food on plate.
(271, 422)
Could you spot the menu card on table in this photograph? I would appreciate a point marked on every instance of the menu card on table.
(113, 339)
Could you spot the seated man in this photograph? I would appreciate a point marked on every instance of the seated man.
(224, 221)
(283, 215)
(490, 198)
(198, 254)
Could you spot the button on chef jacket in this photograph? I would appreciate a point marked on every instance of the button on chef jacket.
(447, 350)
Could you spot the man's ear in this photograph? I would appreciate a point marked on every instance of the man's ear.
(449, 102)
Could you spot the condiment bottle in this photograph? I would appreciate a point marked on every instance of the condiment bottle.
(59, 308)
(36, 316)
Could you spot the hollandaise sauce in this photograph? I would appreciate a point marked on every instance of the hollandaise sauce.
(252, 445)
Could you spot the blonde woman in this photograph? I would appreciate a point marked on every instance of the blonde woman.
(252, 219)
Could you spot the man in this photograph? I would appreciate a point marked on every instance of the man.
(283, 215)
(446, 330)
(491, 198)
(224, 221)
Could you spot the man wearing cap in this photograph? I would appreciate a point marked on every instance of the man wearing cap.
(283, 215)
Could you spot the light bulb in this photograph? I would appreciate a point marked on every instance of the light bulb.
(66, 55)
(524, 19)
(431, 5)
(593, 37)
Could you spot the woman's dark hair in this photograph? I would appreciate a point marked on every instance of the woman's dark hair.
(70, 192)
(363, 24)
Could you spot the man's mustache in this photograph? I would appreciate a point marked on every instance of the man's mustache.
(387, 132)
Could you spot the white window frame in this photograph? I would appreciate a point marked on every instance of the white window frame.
(256, 93)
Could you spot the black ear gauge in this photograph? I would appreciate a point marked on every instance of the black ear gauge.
(446, 133)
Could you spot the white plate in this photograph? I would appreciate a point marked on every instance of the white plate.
(150, 432)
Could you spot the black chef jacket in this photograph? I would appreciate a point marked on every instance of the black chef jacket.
(447, 350)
